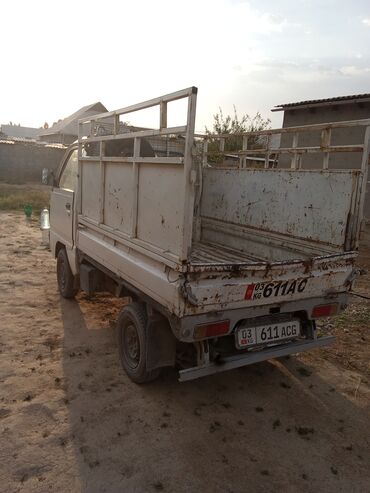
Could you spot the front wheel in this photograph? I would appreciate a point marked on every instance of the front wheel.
(66, 280)
(132, 341)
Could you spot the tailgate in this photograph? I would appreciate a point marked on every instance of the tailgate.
(263, 284)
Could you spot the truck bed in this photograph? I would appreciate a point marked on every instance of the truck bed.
(196, 237)
(206, 255)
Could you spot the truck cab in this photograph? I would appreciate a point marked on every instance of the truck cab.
(62, 210)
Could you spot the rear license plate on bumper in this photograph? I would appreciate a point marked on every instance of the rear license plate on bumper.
(266, 334)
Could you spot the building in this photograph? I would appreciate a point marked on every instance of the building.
(342, 108)
(66, 131)
(16, 131)
(338, 109)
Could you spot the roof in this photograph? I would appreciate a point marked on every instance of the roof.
(354, 98)
(69, 125)
(33, 142)
(18, 131)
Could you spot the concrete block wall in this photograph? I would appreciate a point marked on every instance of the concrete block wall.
(23, 162)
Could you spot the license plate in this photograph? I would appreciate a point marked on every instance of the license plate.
(275, 289)
(267, 334)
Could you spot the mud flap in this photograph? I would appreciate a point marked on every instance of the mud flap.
(161, 344)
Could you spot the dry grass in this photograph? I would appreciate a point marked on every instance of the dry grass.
(15, 197)
(356, 315)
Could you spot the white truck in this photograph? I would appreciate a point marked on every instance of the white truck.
(226, 262)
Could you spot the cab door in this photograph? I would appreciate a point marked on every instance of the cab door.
(62, 201)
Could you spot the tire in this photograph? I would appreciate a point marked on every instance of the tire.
(66, 280)
(132, 341)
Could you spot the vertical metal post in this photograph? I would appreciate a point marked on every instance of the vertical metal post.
(244, 148)
(294, 160)
(116, 124)
(102, 182)
(267, 155)
(135, 187)
(205, 151)
(189, 178)
(163, 121)
(162, 115)
(325, 144)
(222, 145)
(364, 173)
(79, 155)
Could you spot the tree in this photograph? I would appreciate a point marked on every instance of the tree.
(232, 124)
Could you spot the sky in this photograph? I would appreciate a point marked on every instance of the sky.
(59, 56)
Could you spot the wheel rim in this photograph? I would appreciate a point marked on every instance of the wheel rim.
(131, 346)
(61, 268)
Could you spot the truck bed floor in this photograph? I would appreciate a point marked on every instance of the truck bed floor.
(206, 253)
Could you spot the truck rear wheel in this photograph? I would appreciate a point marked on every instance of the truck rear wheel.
(66, 280)
(132, 341)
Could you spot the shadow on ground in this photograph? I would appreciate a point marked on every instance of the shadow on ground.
(275, 426)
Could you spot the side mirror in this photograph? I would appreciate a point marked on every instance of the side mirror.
(47, 177)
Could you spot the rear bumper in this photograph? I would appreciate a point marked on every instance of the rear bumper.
(184, 327)
(237, 361)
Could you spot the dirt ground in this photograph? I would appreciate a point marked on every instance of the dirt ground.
(71, 421)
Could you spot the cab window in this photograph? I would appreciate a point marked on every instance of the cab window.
(68, 179)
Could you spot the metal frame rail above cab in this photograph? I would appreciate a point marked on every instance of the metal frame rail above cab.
(87, 134)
